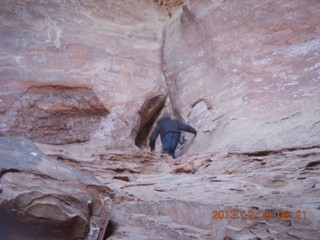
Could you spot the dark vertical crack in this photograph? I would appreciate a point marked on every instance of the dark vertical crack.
(149, 113)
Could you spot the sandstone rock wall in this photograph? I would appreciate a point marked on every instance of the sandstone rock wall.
(246, 73)
(41, 198)
(54, 115)
(157, 197)
(112, 48)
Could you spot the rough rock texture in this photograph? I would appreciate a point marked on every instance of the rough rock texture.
(170, 4)
(240, 72)
(246, 74)
(157, 197)
(41, 198)
(110, 47)
(54, 114)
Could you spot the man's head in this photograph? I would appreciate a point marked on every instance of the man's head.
(165, 115)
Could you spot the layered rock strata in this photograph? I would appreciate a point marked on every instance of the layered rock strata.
(229, 66)
(246, 74)
(54, 114)
(157, 197)
(41, 198)
(111, 48)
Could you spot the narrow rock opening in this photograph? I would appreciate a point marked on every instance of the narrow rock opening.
(313, 165)
(260, 153)
(149, 113)
(111, 228)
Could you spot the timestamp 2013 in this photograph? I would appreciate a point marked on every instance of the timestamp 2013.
(251, 214)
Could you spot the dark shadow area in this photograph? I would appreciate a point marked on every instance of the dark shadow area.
(260, 153)
(16, 227)
(149, 113)
(313, 165)
(111, 228)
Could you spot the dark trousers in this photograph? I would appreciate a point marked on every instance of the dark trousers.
(170, 142)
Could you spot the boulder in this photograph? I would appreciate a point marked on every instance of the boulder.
(41, 198)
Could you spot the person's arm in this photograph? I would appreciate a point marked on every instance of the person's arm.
(153, 138)
(187, 128)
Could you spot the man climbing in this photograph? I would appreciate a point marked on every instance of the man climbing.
(169, 130)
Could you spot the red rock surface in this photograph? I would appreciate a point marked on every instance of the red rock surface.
(110, 47)
(246, 74)
(41, 198)
(157, 197)
(54, 114)
(230, 66)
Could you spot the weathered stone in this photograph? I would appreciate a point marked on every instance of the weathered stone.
(108, 163)
(246, 74)
(157, 197)
(54, 114)
(113, 48)
(170, 4)
(41, 198)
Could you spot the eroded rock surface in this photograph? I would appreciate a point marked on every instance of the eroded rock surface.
(157, 197)
(113, 48)
(41, 198)
(246, 74)
(54, 114)
(170, 5)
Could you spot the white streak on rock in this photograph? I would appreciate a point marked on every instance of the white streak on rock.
(299, 49)
(54, 33)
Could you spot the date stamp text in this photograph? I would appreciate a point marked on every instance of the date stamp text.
(251, 214)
